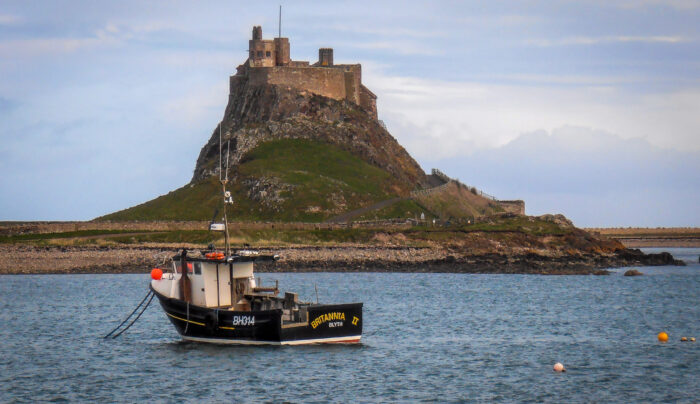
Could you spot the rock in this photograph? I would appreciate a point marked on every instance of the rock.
(558, 219)
(637, 257)
(257, 113)
(633, 272)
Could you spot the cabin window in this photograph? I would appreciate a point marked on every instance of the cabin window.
(197, 268)
(259, 54)
(267, 53)
(252, 53)
(190, 267)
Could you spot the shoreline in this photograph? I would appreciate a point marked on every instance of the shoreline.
(31, 260)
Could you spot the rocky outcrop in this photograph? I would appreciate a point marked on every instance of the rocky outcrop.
(559, 220)
(633, 256)
(259, 113)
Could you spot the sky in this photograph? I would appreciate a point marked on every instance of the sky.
(586, 108)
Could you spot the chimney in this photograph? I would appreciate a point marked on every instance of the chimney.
(325, 56)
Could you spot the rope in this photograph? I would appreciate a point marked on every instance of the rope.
(132, 313)
(187, 325)
(137, 317)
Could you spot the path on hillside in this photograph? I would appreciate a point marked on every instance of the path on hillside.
(433, 181)
(347, 216)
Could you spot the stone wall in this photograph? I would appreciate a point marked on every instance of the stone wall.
(368, 101)
(18, 228)
(327, 82)
(262, 53)
(517, 206)
(282, 51)
(353, 81)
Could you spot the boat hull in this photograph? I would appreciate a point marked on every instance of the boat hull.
(333, 323)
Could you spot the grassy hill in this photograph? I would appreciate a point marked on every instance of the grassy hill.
(281, 180)
(454, 201)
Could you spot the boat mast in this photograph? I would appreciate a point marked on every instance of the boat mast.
(225, 197)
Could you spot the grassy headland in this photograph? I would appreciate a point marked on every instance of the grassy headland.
(284, 180)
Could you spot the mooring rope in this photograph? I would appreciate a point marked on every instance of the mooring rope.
(187, 323)
(137, 317)
(143, 309)
(129, 316)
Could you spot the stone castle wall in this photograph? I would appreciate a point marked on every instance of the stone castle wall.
(517, 206)
(327, 82)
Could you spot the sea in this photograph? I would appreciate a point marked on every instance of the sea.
(427, 338)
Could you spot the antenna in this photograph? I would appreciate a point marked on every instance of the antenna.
(279, 35)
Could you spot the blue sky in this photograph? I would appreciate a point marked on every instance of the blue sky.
(590, 109)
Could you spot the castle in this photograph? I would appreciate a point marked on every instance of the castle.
(269, 63)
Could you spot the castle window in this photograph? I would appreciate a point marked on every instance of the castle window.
(267, 53)
(252, 53)
(259, 54)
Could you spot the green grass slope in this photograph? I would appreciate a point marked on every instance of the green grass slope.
(454, 202)
(282, 180)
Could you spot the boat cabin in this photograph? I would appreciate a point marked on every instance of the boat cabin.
(214, 281)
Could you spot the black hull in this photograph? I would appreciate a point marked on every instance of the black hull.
(334, 323)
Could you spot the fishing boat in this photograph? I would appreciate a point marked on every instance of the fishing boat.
(213, 296)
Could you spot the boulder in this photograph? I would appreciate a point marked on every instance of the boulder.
(633, 272)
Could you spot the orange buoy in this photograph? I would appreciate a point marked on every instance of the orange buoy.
(214, 255)
(156, 274)
(684, 339)
(558, 367)
(663, 337)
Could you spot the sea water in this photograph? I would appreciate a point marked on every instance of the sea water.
(427, 337)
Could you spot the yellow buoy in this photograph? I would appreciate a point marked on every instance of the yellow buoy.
(684, 339)
(663, 337)
(692, 339)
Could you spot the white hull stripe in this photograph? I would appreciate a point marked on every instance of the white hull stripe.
(353, 338)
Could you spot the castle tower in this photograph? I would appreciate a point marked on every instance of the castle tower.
(257, 32)
(325, 56)
(267, 53)
(282, 51)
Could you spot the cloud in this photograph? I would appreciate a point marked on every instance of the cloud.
(675, 4)
(594, 177)
(107, 36)
(589, 40)
(432, 117)
(9, 19)
(42, 47)
(196, 106)
(399, 47)
(384, 31)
